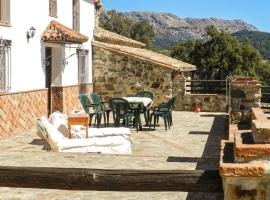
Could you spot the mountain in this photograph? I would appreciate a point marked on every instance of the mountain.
(260, 40)
(171, 29)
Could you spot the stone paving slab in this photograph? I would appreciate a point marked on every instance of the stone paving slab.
(192, 143)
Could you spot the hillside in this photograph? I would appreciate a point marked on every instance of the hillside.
(260, 40)
(171, 29)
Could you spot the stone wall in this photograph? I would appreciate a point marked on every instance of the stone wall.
(19, 111)
(117, 75)
(207, 102)
(245, 93)
(244, 165)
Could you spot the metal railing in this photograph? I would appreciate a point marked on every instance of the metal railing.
(206, 86)
(265, 94)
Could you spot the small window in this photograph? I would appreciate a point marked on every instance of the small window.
(53, 8)
(5, 65)
(4, 12)
(83, 71)
(76, 15)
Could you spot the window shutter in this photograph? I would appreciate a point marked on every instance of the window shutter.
(7, 14)
(83, 71)
(5, 65)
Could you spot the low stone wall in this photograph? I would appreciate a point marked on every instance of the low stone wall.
(207, 102)
(118, 75)
(19, 111)
(65, 98)
(245, 93)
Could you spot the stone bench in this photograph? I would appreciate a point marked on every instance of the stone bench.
(245, 150)
(258, 114)
(261, 131)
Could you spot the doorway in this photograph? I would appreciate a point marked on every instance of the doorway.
(48, 76)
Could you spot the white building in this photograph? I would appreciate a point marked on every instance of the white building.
(45, 50)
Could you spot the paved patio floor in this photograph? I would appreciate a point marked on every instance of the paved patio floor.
(193, 142)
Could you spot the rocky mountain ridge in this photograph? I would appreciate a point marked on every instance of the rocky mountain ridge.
(171, 29)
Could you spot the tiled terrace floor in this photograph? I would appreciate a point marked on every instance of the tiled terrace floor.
(192, 143)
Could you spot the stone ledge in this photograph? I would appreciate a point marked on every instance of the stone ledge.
(241, 170)
(261, 131)
(232, 130)
(257, 114)
(254, 151)
(231, 169)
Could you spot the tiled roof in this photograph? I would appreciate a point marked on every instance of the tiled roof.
(147, 55)
(59, 33)
(113, 38)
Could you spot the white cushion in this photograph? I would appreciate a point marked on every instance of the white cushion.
(50, 132)
(104, 140)
(59, 120)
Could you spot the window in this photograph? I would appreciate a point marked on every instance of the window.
(53, 8)
(5, 65)
(76, 15)
(83, 72)
(5, 12)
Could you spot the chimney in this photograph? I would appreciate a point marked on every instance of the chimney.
(98, 6)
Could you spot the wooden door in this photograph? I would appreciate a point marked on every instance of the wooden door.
(48, 74)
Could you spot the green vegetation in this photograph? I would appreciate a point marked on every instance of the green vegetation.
(141, 31)
(217, 57)
(260, 40)
(222, 55)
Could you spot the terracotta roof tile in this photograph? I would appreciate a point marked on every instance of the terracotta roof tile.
(113, 38)
(150, 56)
(57, 32)
(98, 4)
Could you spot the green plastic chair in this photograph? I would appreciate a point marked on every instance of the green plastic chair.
(122, 110)
(144, 110)
(164, 110)
(100, 107)
(86, 103)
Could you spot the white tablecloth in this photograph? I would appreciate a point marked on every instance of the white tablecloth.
(147, 102)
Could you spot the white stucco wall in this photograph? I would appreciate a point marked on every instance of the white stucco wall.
(27, 58)
(71, 68)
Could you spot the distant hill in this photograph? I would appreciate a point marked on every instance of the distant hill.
(171, 29)
(260, 40)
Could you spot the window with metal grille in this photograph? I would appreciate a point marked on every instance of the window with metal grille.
(76, 15)
(53, 8)
(4, 12)
(83, 71)
(5, 65)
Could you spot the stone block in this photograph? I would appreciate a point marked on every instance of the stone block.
(261, 131)
(109, 87)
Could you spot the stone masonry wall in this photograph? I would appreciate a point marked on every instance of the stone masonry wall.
(117, 75)
(19, 111)
(207, 102)
(245, 92)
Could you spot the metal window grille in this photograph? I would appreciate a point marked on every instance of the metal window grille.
(83, 72)
(53, 8)
(5, 65)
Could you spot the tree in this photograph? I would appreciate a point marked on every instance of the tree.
(117, 23)
(183, 51)
(219, 56)
(141, 31)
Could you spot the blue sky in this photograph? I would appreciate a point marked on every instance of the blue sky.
(255, 12)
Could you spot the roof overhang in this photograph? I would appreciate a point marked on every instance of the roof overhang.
(147, 55)
(59, 33)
